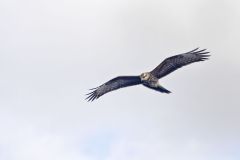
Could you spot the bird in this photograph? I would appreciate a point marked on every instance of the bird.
(150, 79)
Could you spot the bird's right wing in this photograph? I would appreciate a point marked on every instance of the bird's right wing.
(173, 63)
(113, 84)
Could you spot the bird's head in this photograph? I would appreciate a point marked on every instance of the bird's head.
(145, 76)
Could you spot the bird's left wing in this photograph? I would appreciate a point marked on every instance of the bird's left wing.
(113, 84)
(173, 63)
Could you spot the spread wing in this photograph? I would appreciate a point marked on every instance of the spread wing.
(173, 63)
(113, 84)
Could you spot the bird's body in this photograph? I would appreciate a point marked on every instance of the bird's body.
(150, 79)
(152, 82)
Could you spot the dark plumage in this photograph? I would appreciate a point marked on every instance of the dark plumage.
(172, 63)
(150, 79)
(113, 84)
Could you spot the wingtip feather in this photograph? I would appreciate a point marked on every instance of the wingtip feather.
(194, 50)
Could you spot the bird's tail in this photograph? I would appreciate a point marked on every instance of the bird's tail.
(162, 89)
(158, 88)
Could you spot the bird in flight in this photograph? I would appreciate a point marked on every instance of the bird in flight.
(150, 79)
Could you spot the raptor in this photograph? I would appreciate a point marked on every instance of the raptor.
(150, 79)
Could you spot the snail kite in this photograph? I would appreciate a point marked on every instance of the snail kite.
(150, 79)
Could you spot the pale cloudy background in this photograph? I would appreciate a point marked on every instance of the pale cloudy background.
(53, 51)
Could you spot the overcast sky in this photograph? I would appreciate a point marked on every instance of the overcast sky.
(53, 51)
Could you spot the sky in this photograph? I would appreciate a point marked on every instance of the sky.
(53, 51)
